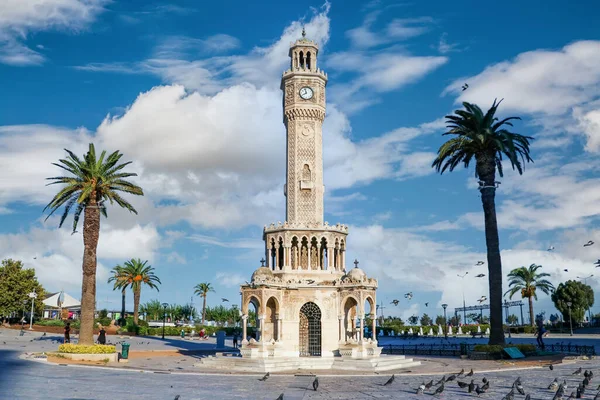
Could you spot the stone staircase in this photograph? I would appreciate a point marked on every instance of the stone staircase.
(275, 364)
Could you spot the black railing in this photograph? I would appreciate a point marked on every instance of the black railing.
(462, 349)
(453, 350)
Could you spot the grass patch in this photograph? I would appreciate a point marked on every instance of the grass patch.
(81, 349)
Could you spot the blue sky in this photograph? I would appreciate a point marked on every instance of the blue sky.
(191, 94)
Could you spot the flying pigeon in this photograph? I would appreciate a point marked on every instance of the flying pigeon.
(482, 299)
(465, 87)
(224, 299)
(479, 276)
(480, 263)
(264, 378)
(408, 295)
(310, 281)
(589, 243)
(395, 302)
(566, 270)
(426, 304)
(389, 381)
(35, 258)
(597, 262)
(550, 248)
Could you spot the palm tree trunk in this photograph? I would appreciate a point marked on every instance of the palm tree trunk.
(91, 233)
(123, 303)
(136, 304)
(531, 311)
(487, 173)
(203, 308)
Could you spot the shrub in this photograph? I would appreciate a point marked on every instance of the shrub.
(496, 349)
(104, 321)
(81, 349)
(50, 322)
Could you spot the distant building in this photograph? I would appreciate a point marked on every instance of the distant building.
(61, 303)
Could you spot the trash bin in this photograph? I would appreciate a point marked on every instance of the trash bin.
(124, 351)
(182, 334)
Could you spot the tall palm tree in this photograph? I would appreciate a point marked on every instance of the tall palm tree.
(528, 280)
(120, 284)
(484, 138)
(202, 290)
(89, 183)
(134, 274)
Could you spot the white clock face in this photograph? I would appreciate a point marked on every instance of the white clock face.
(306, 93)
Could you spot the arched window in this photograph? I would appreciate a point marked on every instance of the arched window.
(308, 59)
(301, 59)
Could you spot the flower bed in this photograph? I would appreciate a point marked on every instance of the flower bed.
(96, 352)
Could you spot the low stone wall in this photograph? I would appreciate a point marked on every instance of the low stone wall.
(111, 357)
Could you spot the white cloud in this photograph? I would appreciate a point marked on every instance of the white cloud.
(397, 30)
(444, 47)
(56, 254)
(233, 244)
(18, 18)
(230, 280)
(185, 46)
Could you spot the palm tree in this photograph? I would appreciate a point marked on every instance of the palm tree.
(119, 283)
(482, 137)
(527, 280)
(133, 274)
(202, 290)
(90, 182)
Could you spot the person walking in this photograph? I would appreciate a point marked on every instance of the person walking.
(68, 332)
(540, 333)
(102, 336)
(235, 340)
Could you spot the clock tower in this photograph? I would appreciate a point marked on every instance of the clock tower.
(303, 87)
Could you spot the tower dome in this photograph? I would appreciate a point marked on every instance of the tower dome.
(262, 272)
(357, 273)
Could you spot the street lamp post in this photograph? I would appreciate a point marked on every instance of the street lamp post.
(444, 306)
(32, 296)
(165, 305)
(507, 311)
(569, 304)
(462, 277)
(589, 309)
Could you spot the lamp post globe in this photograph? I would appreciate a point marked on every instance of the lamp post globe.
(164, 305)
(444, 306)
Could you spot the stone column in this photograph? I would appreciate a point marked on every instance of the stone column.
(319, 258)
(244, 329)
(342, 330)
(278, 329)
(343, 258)
(330, 258)
(261, 319)
(374, 317)
(269, 257)
(361, 333)
(277, 266)
(309, 248)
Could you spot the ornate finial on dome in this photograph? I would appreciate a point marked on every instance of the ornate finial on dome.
(262, 262)
(355, 263)
(303, 32)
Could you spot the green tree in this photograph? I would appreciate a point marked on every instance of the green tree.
(413, 319)
(16, 282)
(439, 320)
(87, 185)
(202, 290)
(153, 309)
(485, 139)
(454, 320)
(512, 319)
(134, 274)
(426, 320)
(579, 294)
(527, 281)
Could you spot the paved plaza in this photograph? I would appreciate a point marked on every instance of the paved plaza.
(164, 377)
